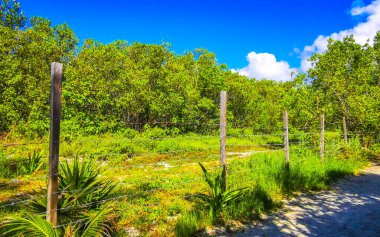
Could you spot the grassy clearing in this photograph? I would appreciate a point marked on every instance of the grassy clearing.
(158, 176)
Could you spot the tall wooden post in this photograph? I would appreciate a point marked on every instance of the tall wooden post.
(322, 138)
(223, 124)
(345, 130)
(286, 140)
(55, 114)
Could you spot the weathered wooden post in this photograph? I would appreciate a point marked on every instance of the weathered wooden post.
(286, 140)
(322, 138)
(223, 125)
(345, 130)
(55, 114)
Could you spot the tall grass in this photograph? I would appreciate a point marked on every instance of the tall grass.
(269, 181)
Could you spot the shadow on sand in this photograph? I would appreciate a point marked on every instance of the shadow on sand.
(351, 208)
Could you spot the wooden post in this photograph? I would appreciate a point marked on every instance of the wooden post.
(55, 114)
(322, 138)
(345, 130)
(286, 140)
(223, 124)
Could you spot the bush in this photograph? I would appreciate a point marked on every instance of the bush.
(129, 133)
(155, 132)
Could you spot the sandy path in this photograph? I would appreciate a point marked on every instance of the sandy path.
(350, 208)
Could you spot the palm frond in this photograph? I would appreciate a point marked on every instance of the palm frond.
(33, 226)
(96, 225)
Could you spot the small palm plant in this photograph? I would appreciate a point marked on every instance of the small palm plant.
(33, 163)
(79, 184)
(219, 197)
(82, 194)
(91, 226)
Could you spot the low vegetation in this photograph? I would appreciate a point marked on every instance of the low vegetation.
(165, 192)
(269, 183)
(137, 120)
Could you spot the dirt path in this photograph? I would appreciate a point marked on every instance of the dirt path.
(350, 208)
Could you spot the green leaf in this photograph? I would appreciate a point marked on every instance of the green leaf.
(33, 226)
(96, 225)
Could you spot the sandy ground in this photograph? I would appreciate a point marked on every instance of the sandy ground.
(350, 208)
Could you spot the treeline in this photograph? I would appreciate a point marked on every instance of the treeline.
(109, 87)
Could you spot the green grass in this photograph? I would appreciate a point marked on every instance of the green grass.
(158, 175)
(269, 182)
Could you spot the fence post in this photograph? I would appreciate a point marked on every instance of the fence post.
(223, 124)
(345, 130)
(55, 114)
(286, 140)
(322, 138)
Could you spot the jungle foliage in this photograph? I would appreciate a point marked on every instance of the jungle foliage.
(110, 87)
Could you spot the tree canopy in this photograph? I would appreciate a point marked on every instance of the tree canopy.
(108, 87)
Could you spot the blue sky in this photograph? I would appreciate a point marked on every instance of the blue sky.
(230, 29)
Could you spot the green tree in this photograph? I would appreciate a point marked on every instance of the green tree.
(346, 75)
(25, 72)
(11, 15)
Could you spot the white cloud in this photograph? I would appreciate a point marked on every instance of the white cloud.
(296, 50)
(265, 66)
(362, 32)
